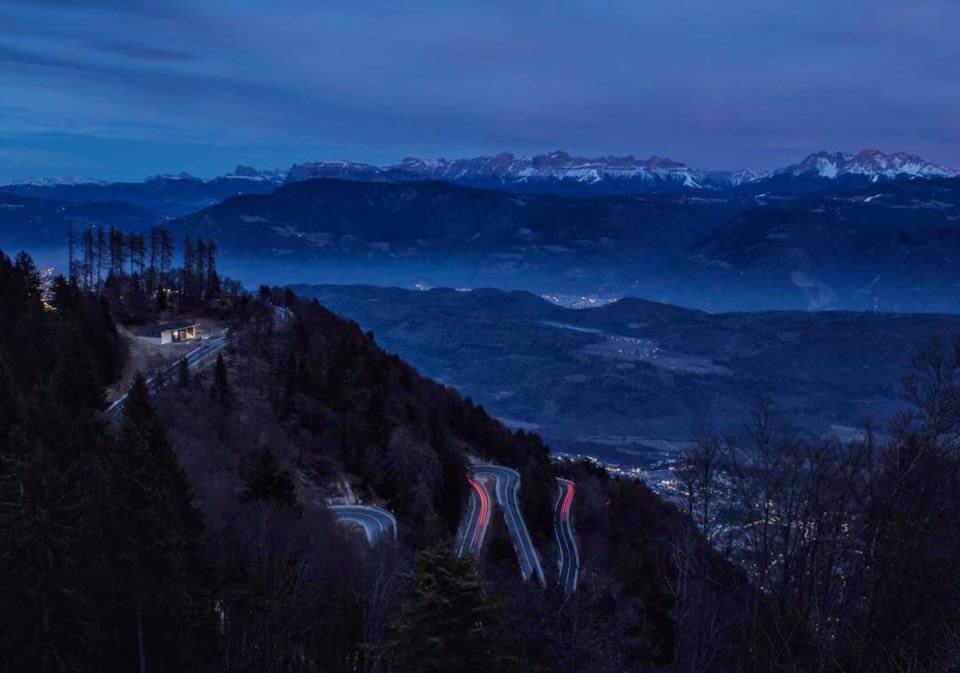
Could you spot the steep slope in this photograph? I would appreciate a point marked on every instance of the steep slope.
(891, 247)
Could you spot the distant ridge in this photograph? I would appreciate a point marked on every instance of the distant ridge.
(562, 173)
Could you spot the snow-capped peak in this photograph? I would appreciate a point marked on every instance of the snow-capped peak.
(870, 164)
(242, 172)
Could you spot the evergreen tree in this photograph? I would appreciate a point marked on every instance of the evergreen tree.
(447, 623)
(213, 278)
(200, 267)
(161, 303)
(221, 388)
(164, 618)
(265, 480)
(183, 373)
(166, 253)
(28, 276)
(153, 272)
(50, 584)
(188, 273)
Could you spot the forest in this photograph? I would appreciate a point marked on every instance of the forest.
(136, 272)
(192, 534)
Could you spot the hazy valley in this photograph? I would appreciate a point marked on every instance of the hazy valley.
(634, 376)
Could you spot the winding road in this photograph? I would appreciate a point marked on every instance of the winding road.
(474, 526)
(378, 524)
(506, 483)
(569, 558)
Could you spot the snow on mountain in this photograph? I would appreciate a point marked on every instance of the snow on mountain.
(242, 172)
(343, 170)
(171, 176)
(560, 172)
(871, 165)
(556, 166)
(508, 170)
(52, 182)
(626, 174)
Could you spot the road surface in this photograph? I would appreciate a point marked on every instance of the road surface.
(506, 485)
(569, 561)
(378, 524)
(474, 527)
(196, 358)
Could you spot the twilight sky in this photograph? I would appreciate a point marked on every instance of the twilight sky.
(129, 88)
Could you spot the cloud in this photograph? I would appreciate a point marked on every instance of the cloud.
(750, 85)
(145, 52)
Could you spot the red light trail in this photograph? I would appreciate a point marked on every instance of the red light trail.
(484, 515)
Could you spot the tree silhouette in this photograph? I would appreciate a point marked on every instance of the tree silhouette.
(265, 480)
(221, 388)
(165, 607)
(183, 373)
(446, 624)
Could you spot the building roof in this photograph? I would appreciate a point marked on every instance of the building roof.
(157, 330)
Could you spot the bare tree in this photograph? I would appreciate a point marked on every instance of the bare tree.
(101, 253)
(699, 470)
(71, 255)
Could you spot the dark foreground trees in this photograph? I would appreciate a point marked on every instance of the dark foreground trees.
(824, 557)
(165, 602)
(854, 547)
(448, 623)
(101, 551)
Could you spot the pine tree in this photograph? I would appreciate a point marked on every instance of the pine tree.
(29, 277)
(200, 269)
(188, 275)
(153, 270)
(160, 304)
(221, 387)
(183, 373)
(266, 481)
(213, 278)
(165, 618)
(117, 243)
(166, 253)
(448, 622)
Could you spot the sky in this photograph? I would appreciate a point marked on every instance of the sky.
(123, 89)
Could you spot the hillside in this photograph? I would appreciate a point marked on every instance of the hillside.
(195, 531)
(618, 379)
(163, 196)
(28, 223)
(887, 247)
(442, 233)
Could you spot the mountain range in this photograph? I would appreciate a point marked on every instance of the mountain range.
(559, 172)
(866, 232)
(554, 173)
(891, 246)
